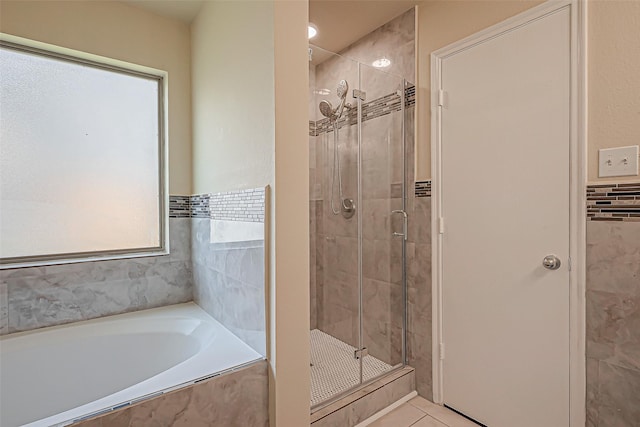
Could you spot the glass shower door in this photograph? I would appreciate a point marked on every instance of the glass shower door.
(357, 224)
(383, 221)
(334, 225)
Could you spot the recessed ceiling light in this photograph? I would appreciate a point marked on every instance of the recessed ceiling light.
(322, 92)
(312, 31)
(381, 62)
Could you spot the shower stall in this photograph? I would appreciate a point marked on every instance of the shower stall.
(358, 223)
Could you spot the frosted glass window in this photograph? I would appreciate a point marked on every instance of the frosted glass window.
(80, 159)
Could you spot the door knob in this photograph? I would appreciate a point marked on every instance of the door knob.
(551, 262)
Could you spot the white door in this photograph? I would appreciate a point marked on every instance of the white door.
(505, 160)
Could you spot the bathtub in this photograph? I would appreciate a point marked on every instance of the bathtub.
(62, 374)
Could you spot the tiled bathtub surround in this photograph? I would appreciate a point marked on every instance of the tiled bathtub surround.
(239, 398)
(613, 202)
(37, 297)
(228, 276)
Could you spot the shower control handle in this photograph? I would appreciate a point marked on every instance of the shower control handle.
(404, 224)
(551, 262)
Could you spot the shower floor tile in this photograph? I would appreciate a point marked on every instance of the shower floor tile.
(334, 369)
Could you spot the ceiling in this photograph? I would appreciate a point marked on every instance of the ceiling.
(339, 22)
(342, 22)
(183, 10)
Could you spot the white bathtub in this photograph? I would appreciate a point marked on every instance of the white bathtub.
(56, 375)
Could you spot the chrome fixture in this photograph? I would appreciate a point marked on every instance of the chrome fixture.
(333, 114)
(551, 262)
(347, 206)
(404, 224)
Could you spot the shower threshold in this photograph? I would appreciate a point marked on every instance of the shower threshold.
(334, 370)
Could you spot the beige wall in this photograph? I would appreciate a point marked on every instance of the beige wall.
(441, 23)
(250, 127)
(290, 248)
(125, 33)
(614, 78)
(614, 61)
(233, 96)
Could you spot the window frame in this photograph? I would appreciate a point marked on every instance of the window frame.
(32, 47)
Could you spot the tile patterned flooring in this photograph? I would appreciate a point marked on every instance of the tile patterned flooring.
(419, 412)
(334, 369)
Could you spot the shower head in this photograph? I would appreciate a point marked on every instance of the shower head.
(327, 109)
(343, 88)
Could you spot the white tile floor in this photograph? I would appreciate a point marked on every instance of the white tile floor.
(335, 370)
(419, 412)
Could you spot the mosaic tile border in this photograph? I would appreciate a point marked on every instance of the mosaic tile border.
(179, 207)
(370, 110)
(605, 202)
(241, 205)
(423, 188)
(613, 202)
(200, 206)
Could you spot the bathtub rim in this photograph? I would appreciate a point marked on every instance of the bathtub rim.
(177, 311)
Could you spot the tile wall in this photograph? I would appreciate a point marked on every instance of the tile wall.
(216, 258)
(613, 305)
(419, 288)
(613, 301)
(37, 297)
(613, 259)
(238, 398)
(228, 261)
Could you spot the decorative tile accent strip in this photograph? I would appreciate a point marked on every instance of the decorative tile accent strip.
(613, 202)
(242, 205)
(370, 110)
(410, 96)
(200, 206)
(423, 188)
(179, 207)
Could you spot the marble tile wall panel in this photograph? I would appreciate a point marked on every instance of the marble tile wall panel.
(4, 309)
(229, 283)
(235, 399)
(613, 323)
(51, 295)
(419, 295)
(368, 401)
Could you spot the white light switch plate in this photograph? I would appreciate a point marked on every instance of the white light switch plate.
(621, 161)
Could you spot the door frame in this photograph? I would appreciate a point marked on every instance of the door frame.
(578, 180)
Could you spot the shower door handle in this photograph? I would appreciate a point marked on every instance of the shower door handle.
(404, 224)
